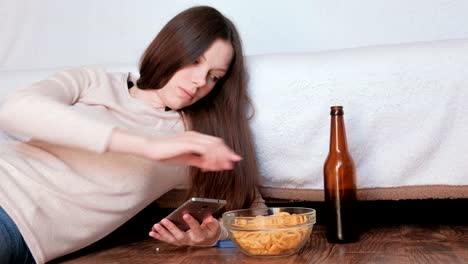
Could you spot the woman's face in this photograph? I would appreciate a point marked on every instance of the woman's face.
(193, 82)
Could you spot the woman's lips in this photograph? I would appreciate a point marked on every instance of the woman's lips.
(189, 95)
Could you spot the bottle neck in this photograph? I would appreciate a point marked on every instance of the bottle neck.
(338, 141)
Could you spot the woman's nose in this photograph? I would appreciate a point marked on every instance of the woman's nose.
(199, 77)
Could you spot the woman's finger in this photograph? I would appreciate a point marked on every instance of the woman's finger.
(194, 225)
(204, 144)
(195, 149)
(210, 224)
(161, 233)
(178, 234)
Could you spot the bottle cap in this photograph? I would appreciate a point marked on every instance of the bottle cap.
(336, 110)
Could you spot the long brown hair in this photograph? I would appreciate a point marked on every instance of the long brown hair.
(223, 112)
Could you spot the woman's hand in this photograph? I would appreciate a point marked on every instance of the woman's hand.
(206, 152)
(192, 148)
(204, 234)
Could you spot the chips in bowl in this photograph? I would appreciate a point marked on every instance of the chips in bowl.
(275, 231)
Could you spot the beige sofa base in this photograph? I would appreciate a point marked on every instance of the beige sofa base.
(175, 197)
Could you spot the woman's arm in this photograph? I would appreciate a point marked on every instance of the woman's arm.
(44, 111)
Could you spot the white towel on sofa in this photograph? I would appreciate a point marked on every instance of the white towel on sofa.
(405, 114)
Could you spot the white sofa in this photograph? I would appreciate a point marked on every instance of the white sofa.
(405, 115)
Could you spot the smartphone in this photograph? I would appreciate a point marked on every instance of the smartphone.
(199, 208)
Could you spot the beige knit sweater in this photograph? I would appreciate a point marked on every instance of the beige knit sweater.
(61, 188)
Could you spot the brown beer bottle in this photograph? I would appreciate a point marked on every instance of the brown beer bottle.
(340, 185)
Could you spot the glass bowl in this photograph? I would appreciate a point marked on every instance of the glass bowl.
(274, 231)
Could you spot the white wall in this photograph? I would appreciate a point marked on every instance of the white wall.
(53, 33)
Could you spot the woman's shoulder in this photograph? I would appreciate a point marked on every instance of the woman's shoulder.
(79, 74)
(96, 72)
(104, 76)
(116, 74)
(93, 79)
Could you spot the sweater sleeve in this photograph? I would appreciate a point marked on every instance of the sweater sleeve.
(44, 111)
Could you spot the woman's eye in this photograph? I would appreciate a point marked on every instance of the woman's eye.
(214, 78)
(197, 61)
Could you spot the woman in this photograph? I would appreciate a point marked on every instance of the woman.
(105, 145)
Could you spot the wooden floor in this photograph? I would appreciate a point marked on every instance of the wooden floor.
(391, 232)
